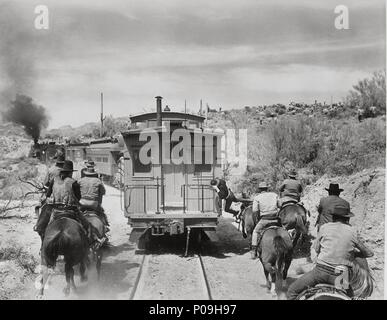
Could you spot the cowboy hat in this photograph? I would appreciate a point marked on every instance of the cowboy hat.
(90, 163)
(60, 159)
(67, 166)
(58, 153)
(292, 173)
(263, 185)
(90, 172)
(334, 187)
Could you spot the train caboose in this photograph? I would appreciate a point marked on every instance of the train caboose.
(169, 160)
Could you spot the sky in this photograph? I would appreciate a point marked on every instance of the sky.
(229, 53)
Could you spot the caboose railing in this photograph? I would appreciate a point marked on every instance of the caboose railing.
(200, 195)
(145, 188)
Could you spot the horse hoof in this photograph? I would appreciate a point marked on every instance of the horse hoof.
(66, 291)
(39, 297)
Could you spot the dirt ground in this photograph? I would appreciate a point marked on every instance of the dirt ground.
(231, 273)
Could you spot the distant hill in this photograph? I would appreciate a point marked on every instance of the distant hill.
(112, 126)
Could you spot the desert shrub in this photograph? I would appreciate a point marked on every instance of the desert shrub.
(319, 145)
(332, 147)
(13, 251)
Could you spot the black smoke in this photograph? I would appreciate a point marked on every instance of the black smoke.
(25, 112)
(17, 52)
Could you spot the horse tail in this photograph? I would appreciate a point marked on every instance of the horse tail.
(51, 249)
(361, 280)
(300, 224)
(281, 250)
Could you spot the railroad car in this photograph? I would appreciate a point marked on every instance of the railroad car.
(104, 152)
(170, 193)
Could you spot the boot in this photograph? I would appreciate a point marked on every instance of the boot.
(253, 252)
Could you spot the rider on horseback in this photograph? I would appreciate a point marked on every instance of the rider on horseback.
(291, 189)
(329, 204)
(224, 193)
(92, 191)
(336, 246)
(52, 173)
(66, 193)
(267, 204)
(54, 170)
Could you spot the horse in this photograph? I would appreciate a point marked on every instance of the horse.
(276, 251)
(360, 281)
(293, 216)
(98, 237)
(64, 236)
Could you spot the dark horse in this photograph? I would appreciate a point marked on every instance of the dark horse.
(98, 238)
(64, 236)
(360, 281)
(293, 217)
(276, 251)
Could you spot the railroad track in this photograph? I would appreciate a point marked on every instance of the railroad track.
(196, 262)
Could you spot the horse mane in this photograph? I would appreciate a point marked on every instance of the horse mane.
(361, 280)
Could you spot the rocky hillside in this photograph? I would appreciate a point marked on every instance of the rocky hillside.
(14, 143)
(365, 191)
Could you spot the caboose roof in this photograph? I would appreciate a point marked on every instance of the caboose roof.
(167, 116)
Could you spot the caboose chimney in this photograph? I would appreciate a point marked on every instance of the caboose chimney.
(158, 106)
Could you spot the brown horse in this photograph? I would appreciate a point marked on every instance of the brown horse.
(64, 236)
(98, 238)
(293, 216)
(276, 251)
(360, 281)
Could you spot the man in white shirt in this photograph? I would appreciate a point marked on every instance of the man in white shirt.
(266, 204)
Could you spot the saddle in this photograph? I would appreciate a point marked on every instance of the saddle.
(323, 292)
(98, 239)
(60, 212)
(274, 225)
(294, 202)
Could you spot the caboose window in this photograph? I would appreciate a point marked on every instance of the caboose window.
(204, 151)
(105, 159)
(138, 166)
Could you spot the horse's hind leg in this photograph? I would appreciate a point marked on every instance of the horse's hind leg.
(41, 281)
(273, 284)
(288, 261)
(82, 270)
(98, 264)
(268, 283)
(296, 237)
(69, 279)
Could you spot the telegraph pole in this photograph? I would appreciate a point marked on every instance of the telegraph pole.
(102, 117)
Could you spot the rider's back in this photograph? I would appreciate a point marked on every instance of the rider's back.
(91, 188)
(329, 205)
(268, 203)
(63, 193)
(337, 242)
(291, 188)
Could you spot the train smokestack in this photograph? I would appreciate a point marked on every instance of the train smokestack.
(158, 108)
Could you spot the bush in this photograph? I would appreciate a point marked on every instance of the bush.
(13, 251)
(318, 145)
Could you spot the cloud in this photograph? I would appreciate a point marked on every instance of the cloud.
(230, 53)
